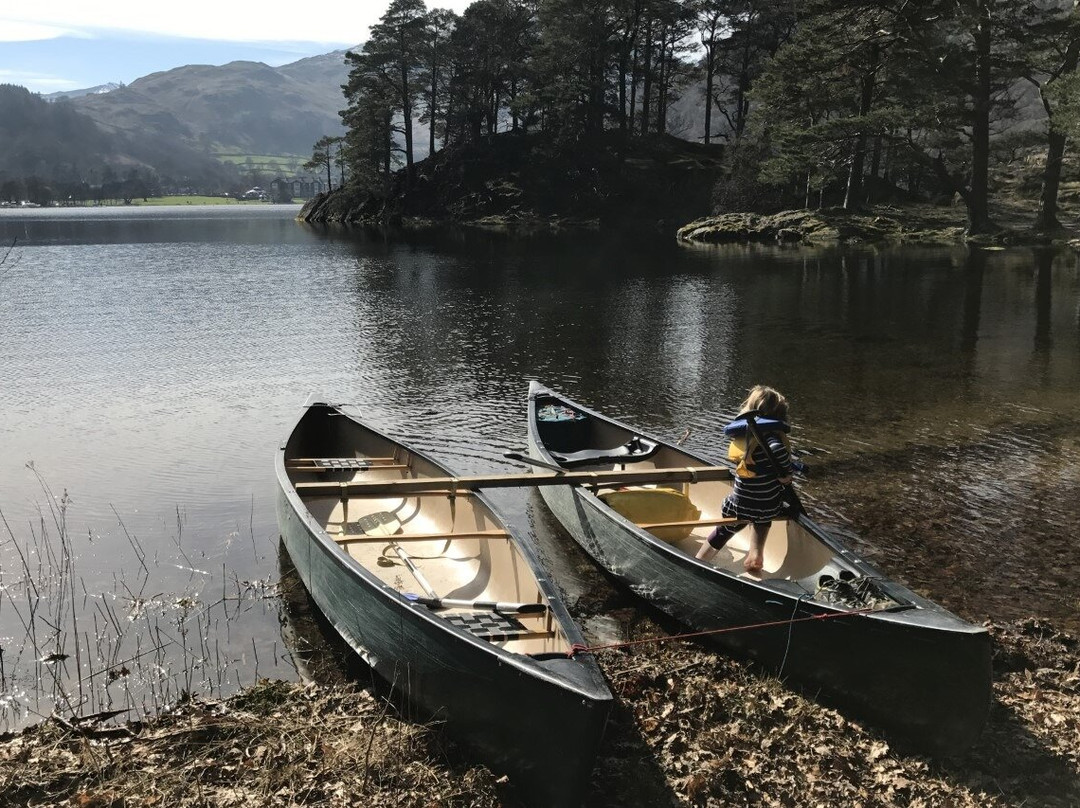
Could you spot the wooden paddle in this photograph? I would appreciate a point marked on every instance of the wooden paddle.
(384, 523)
(796, 507)
(523, 458)
(419, 576)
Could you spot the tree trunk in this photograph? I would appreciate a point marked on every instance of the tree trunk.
(627, 65)
(853, 196)
(742, 105)
(662, 88)
(709, 57)
(433, 106)
(875, 169)
(388, 146)
(623, 60)
(406, 122)
(1047, 220)
(978, 196)
(447, 134)
(513, 106)
(646, 79)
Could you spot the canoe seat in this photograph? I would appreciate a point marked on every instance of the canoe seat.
(637, 448)
(489, 625)
(341, 463)
(658, 506)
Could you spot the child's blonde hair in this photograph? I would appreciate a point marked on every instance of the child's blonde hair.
(770, 403)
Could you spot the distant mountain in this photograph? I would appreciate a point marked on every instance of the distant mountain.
(169, 130)
(240, 107)
(101, 88)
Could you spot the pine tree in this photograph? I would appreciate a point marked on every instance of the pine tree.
(436, 72)
(396, 47)
(323, 156)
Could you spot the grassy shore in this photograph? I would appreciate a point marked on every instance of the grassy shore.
(193, 200)
(690, 727)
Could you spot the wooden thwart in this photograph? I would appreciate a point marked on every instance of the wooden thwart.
(348, 538)
(462, 485)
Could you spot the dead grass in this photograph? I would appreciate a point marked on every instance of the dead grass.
(276, 744)
(691, 727)
(720, 735)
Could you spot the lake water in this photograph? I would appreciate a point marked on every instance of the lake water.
(152, 360)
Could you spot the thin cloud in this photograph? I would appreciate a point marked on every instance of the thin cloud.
(18, 31)
(333, 22)
(41, 83)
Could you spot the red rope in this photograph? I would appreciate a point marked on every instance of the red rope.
(578, 648)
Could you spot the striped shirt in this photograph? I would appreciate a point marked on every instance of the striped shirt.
(760, 498)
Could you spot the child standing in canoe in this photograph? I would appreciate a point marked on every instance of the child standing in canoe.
(758, 495)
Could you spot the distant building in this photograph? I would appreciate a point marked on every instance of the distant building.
(302, 186)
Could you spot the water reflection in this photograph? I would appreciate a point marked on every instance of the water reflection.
(1044, 265)
(974, 270)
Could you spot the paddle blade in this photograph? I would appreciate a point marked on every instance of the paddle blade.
(382, 523)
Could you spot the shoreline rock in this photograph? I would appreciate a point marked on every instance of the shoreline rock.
(911, 224)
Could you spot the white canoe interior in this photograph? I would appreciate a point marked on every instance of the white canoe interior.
(432, 545)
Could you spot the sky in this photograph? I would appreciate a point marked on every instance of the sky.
(50, 46)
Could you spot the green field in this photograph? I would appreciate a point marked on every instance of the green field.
(192, 200)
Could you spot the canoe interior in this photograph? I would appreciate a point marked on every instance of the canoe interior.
(456, 547)
(792, 553)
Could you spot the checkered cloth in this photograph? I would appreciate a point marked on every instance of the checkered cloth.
(341, 463)
(489, 625)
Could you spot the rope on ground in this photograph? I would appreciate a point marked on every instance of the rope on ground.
(578, 648)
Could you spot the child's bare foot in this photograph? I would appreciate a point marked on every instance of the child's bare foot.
(753, 562)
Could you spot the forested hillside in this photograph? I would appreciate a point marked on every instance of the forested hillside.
(820, 102)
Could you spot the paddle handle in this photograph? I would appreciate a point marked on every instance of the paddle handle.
(419, 576)
(486, 605)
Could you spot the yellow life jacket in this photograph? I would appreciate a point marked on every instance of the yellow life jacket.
(741, 449)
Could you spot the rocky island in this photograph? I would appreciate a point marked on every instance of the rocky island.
(661, 186)
(514, 180)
